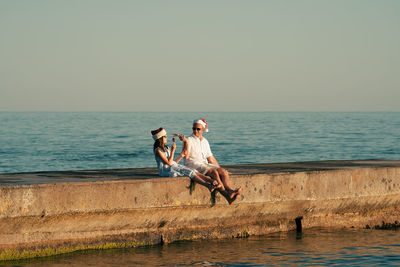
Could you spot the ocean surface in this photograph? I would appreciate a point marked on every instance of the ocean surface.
(43, 141)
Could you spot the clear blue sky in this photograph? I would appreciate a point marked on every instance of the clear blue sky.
(84, 55)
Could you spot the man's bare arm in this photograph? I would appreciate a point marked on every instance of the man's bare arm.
(212, 160)
(185, 151)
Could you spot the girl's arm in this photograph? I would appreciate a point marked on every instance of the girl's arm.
(166, 160)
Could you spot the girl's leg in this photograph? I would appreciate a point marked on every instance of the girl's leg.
(195, 176)
(213, 173)
(198, 179)
(210, 180)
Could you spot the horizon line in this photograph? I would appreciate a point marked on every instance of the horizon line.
(204, 111)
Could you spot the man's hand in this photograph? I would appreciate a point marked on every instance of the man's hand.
(181, 137)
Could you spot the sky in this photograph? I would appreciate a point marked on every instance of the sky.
(208, 55)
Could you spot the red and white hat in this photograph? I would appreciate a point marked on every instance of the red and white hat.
(160, 132)
(203, 123)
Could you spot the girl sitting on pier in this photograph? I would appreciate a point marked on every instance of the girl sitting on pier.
(168, 167)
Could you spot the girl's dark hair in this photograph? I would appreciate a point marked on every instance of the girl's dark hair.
(157, 144)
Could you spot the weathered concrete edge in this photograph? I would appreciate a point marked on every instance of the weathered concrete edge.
(335, 198)
(160, 236)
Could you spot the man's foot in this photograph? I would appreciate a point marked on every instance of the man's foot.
(238, 191)
(234, 198)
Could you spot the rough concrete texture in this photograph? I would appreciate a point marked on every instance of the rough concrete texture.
(136, 207)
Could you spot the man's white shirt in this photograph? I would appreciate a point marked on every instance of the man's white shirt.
(198, 150)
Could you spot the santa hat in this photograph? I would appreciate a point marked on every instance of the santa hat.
(203, 123)
(160, 132)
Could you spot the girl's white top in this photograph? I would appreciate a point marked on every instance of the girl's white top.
(175, 170)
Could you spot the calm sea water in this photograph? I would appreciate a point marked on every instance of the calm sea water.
(320, 247)
(40, 141)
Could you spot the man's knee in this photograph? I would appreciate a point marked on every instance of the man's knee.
(222, 172)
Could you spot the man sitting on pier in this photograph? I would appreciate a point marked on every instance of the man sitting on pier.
(198, 156)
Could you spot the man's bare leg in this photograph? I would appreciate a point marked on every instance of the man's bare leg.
(226, 180)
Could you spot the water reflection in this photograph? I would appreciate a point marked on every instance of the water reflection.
(316, 246)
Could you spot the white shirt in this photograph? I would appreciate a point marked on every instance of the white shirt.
(198, 150)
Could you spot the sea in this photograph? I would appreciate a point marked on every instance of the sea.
(54, 141)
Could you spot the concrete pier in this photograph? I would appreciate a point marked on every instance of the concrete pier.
(46, 213)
